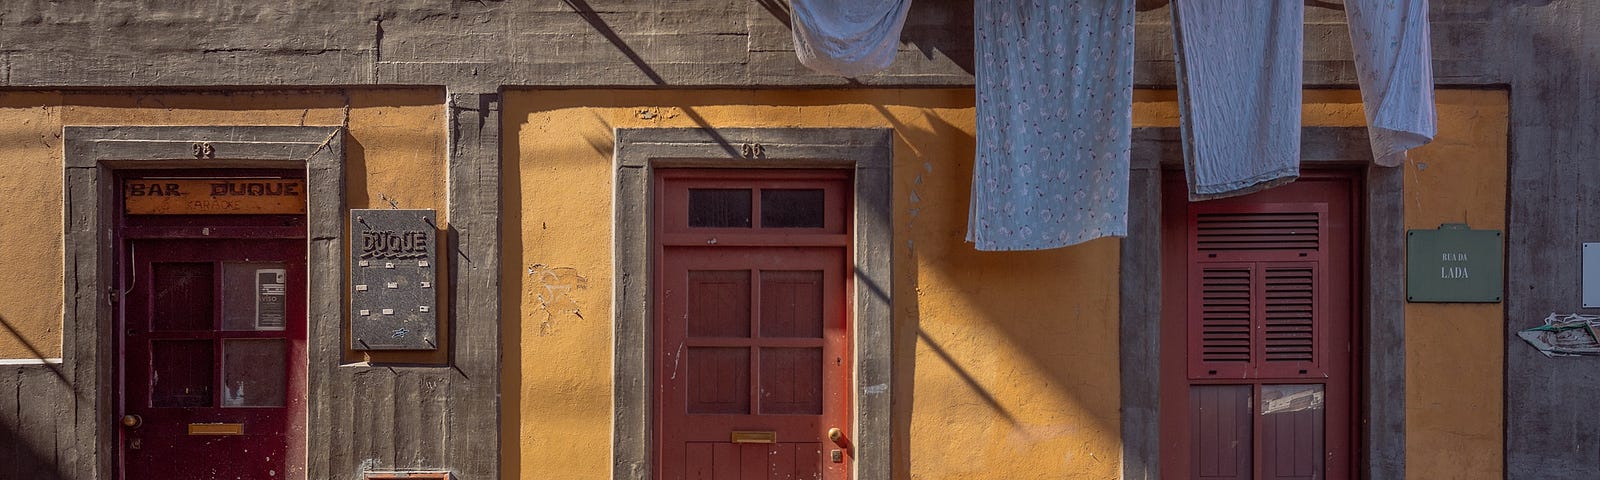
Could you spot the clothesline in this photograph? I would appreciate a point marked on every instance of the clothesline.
(1054, 83)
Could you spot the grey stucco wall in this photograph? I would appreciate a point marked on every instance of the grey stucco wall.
(481, 45)
(1549, 56)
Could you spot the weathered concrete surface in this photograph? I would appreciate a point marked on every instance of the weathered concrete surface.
(1552, 68)
(481, 45)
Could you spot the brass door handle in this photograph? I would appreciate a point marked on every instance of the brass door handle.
(132, 420)
(837, 436)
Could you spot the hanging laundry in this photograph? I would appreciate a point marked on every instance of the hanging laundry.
(1394, 64)
(1238, 93)
(847, 37)
(1055, 102)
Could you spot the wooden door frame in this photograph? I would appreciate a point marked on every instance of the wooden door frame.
(1178, 352)
(1379, 378)
(94, 157)
(869, 153)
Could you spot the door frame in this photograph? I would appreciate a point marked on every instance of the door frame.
(1379, 377)
(1178, 353)
(869, 152)
(93, 157)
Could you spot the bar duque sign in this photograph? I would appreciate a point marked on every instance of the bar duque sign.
(214, 196)
(1454, 264)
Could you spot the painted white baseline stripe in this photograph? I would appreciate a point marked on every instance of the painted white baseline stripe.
(29, 361)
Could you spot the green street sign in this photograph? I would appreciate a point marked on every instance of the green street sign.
(1455, 264)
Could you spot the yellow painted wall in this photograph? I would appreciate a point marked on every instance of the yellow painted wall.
(396, 149)
(1003, 388)
(1455, 353)
(31, 170)
(990, 382)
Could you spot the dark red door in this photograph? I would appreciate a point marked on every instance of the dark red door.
(213, 373)
(752, 331)
(1258, 318)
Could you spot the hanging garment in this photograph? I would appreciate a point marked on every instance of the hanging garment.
(1055, 103)
(1394, 64)
(1238, 93)
(847, 37)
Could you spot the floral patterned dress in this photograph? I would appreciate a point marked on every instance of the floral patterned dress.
(1055, 103)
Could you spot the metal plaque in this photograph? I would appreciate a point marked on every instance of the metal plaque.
(213, 196)
(1591, 275)
(1454, 264)
(392, 273)
(216, 429)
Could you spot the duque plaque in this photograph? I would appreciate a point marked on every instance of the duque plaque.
(1454, 264)
(392, 273)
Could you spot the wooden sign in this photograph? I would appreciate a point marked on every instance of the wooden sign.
(214, 196)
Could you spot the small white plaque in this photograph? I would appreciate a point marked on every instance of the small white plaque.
(1591, 275)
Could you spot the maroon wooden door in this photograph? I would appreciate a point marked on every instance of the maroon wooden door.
(752, 335)
(213, 348)
(1258, 318)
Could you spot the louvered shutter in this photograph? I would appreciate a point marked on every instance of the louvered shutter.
(1255, 288)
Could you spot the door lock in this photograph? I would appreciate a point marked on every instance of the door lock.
(132, 420)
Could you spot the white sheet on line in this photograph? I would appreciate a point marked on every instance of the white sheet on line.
(1239, 75)
(1054, 121)
(1394, 64)
(847, 37)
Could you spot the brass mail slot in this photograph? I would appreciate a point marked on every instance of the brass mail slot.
(755, 437)
(216, 429)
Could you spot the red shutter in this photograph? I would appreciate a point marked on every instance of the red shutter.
(1253, 290)
(1247, 231)
(1289, 321)
(1225, 304)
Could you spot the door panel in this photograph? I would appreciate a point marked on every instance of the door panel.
(1222, 434)
(212, 359)
(1292, 431)
(765, 357)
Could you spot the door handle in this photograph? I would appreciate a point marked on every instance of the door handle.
(837, 437)
(132, 420)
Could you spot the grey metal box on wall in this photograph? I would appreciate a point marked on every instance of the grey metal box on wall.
(393, 297)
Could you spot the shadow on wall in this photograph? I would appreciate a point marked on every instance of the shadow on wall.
(35, 408)
(33, 350)
(996, 342)
(25, 455)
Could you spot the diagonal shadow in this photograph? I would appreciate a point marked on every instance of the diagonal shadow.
(779, 10)
(590, 15)
(33, 349)
(967, 377)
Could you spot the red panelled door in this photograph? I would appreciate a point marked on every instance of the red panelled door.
(752, 330)
(1257, 329)
(213, 384)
